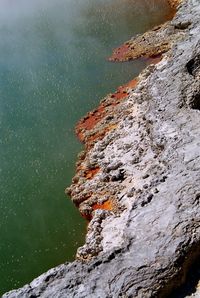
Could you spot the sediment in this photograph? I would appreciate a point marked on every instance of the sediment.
(138, 179)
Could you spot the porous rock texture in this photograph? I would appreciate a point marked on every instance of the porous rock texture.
(138, 182)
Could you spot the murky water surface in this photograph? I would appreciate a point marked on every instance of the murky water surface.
(53, 69)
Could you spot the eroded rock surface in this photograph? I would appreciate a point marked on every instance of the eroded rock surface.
(152, 43)
(138, 182)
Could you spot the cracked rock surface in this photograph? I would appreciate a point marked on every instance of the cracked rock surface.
(148, 165)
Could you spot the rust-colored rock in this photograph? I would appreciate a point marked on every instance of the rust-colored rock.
(89, 127)
(120, 53)
(91, 173)
(174, 3)
(107, 205)
(149, 45)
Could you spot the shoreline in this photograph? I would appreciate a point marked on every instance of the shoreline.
(138, 180)
(99, 122)
(153, 43)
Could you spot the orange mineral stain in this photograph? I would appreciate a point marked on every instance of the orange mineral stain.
(120, 53)
(91, 173)
(119, 95)
(98, 136)
(92, 121)
(107, 205)
(130, 84)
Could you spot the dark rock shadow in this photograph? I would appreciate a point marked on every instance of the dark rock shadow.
(191, 283)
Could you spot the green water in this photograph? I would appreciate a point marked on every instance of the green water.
(52, 71)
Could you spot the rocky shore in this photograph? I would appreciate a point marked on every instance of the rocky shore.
(138, 179)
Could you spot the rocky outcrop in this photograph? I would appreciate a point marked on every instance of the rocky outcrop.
(174, 3)
(153, 43)
(138, 181)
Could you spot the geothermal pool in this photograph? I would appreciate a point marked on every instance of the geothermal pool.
(53, 69)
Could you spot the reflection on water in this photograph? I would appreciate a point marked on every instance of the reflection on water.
(52, 71)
